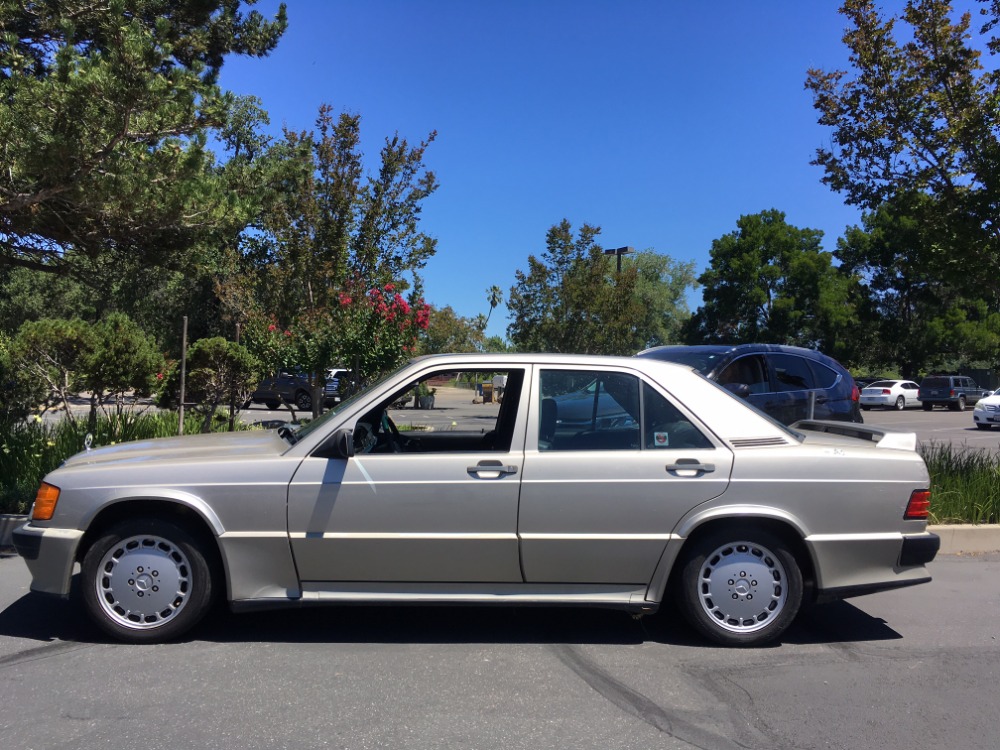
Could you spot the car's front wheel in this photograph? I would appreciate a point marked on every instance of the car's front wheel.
(303, 400)
(740, 588)
(146, 581)
(983, 426)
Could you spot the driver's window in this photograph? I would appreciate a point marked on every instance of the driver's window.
(444, 411)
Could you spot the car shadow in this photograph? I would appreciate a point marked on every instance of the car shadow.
(43, 618)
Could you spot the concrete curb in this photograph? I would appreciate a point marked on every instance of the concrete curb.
(967, 539)
(956, 539)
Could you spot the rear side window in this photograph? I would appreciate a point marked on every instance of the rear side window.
(824, 376)
(936, 382)
(664, 427)
(791, 373)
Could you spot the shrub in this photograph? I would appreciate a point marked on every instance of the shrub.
(965, 484)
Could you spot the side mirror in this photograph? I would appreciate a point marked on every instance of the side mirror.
(738, 389)
(340, 445)
(343, 441)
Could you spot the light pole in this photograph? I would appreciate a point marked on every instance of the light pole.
(620, 251)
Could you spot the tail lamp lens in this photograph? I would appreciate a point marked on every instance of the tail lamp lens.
(886, 392)
(45, 502)
(919, 506)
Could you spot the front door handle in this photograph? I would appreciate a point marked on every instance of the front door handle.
(491, 469)
(690, 465)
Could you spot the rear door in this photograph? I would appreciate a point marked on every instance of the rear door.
(612, 462)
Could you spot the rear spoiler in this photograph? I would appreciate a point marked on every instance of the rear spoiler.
(882, 437)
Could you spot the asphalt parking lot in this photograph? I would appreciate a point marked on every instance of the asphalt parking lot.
(938, 426)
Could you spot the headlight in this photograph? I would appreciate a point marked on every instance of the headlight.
(979, 406)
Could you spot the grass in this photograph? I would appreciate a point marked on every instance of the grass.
(30, 450)
(965, 484)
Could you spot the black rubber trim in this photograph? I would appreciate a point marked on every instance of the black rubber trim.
(846, 592)
(27, 544)
(919, 550)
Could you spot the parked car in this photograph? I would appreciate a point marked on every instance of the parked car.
(788, 382)
(293, 387)
(953, 391)
(890, 394)
(698, 505)
(987, 411)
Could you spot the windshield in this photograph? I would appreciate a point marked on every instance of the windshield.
(702, 361)
(309, 427)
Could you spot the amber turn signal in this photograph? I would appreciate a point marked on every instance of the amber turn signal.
(919, 506)
(45, 502)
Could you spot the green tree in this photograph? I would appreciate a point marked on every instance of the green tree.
(54, 352)
(919, 321)
(104, 114)
(219, 372)
(449, 332)
(918, 114)
(334, 234)
(123, 360)
(770, 281)
(572, 298)
(20, 393)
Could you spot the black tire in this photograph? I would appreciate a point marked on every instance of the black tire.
(928, 407)
(146, 581)
(865, 408)
(720, 575)
(982, 426)
(304, 401)
(900, 403)
(272, 405)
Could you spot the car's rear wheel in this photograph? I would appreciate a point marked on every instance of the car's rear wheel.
(740, 588)
(960, 404)
(303, 400)
(146, 581)
(865, 408)
(928, 407)
(900, 403)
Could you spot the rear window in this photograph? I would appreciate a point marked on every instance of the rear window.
(881, 384)
(936, 382)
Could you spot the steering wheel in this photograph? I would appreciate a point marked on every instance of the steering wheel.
(396, 441)
(364, 438)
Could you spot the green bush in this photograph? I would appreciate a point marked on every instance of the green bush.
(965, 484)
(30, 450)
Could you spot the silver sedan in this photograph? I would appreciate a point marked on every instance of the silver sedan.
(689, 501)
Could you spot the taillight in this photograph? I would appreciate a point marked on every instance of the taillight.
(952, 393)
(919, 506)
(855, 393)
(886, 391)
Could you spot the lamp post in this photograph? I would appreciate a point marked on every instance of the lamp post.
(620, 251)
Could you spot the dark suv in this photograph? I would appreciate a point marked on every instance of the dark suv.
(292, 387)
(783, 381)
(953, 391)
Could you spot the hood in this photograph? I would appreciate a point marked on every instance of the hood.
(250, 444)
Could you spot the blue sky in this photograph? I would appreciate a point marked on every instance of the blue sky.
(661, 122)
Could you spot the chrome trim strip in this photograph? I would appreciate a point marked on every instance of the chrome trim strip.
(883, 537)
(599, 537)
(254, 535)
(400, 535)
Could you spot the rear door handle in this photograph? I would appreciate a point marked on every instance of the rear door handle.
(491, 469)
(692, 465)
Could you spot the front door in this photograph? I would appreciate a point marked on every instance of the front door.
(436, 505)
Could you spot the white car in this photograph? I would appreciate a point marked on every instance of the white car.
(987, 411)
(890, 394)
